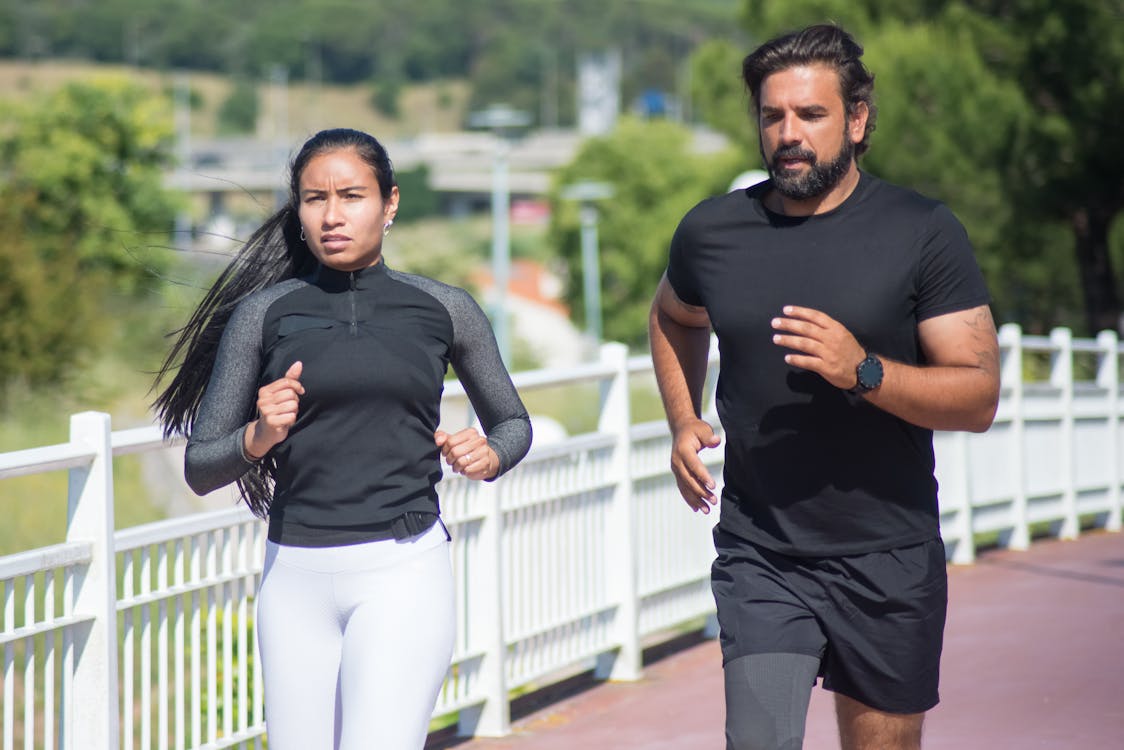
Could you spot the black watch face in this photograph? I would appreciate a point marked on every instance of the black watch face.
(870, 373)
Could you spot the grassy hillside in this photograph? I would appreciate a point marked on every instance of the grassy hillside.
(305, 108)
(34, 507)
(115, 379)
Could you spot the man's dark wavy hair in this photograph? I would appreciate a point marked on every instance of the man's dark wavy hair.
(823, 44)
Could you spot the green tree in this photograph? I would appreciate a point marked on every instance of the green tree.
(386, 95)
(238, 112)
(419, 201)
(656, 179)
(719, 93)
(47, 320)
(1067, 56)
(86, 219)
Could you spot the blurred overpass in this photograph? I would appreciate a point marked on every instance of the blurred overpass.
(459, 164)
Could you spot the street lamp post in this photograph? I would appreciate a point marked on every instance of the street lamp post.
(504, 122)
(501, 248)
(588, 192)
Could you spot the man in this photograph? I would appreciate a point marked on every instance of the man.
(852, 321)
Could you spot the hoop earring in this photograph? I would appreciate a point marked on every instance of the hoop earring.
(303, 238)
(386, 227)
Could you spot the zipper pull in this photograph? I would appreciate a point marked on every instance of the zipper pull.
(354, 315)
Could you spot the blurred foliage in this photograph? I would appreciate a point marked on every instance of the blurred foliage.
(1067, 57)
(85, 217)
(720, 97)
(238, 112)
(418, 198)
(521, 52)
(441, 249)
(386, 96)
(656, 179)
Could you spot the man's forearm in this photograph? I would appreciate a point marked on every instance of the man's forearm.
(679, 356)
(939, 397)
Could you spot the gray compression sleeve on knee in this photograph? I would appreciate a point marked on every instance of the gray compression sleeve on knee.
(767, 698)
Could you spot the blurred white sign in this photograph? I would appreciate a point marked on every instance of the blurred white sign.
(599, 92)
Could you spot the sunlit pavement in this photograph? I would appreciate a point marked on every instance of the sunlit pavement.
(1034, 658)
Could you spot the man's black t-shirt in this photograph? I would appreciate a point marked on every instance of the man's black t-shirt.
(810, 469)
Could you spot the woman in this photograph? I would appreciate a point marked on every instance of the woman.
(311, 376)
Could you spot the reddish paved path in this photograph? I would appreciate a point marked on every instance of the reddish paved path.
(1034, 658)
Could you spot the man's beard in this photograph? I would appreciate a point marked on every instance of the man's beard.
(818, 179)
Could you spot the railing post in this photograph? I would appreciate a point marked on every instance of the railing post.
(492, 718)
(965, 550)
(1061, 377)
(91, 708)
(709, 408)
(625, 663)
(709, 405)
(1011, 376)
(1108, 377)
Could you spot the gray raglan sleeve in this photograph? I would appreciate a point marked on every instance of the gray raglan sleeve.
(214, 456)
(477, 362)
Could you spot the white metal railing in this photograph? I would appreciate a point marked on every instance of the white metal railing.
(144, 638)
(1051, 462)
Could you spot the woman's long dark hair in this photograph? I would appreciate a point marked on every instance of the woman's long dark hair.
(273, 253)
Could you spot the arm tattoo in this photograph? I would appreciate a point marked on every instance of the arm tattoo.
(983, 334)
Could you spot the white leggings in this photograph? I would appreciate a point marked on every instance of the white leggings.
(355, 642)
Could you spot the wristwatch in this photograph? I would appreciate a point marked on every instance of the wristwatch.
(868, 374)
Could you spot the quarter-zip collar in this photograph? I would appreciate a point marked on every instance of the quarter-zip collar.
(332, 280)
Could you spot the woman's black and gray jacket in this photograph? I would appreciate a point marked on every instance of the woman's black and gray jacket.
(375, 346)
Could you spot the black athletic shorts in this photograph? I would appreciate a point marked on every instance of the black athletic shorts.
(875, 621)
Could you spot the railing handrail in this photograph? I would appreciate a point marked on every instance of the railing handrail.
(140, 439)
(45, 458)
(44, 558)
(196, 523)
